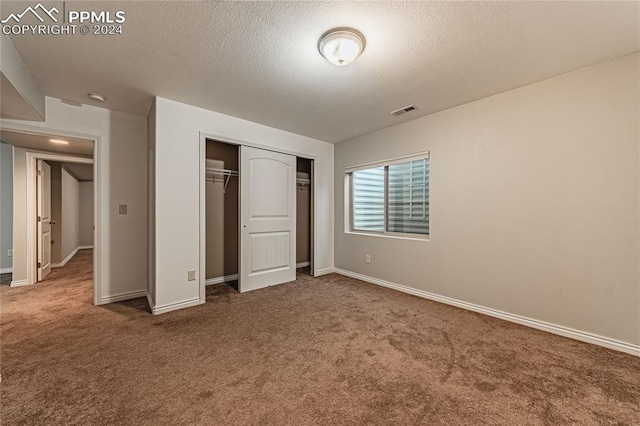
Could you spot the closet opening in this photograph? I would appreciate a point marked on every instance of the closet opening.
(304, 218)
(222, 215)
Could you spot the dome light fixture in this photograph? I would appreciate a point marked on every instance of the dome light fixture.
(341, 46)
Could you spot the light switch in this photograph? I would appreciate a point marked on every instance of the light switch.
(122, 209)
(191, 275)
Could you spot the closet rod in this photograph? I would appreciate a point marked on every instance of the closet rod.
(302, 183)
(224, 173)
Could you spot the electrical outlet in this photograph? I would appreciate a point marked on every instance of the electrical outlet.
(122, 209)
(10, 253)
(367, 258)
(191, 275)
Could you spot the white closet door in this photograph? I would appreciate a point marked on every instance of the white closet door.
(44, 218)
(267, 218)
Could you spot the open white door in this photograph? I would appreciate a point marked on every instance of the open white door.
(44, 218)
(267, 218)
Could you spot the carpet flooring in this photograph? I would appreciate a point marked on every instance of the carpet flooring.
(324, 351)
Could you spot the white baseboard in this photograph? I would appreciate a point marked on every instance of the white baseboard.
(325, 271)
(123, 296)
(302, 264)
(66, 259)
(149, 301)
(19, 283)
(220, 280)
(529, 322)
(157, 310)
(6, 270)
(85, 247)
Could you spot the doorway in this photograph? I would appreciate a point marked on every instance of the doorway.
(69, 217)
(54, 206)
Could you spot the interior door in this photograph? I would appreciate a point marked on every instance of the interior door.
(267, 218)
(44, 218)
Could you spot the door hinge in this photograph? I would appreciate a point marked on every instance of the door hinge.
(39, 172)
(39, 219)
(39, 265)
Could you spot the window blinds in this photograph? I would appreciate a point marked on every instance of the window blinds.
(408, 209)
(368, 199)
(392, 198)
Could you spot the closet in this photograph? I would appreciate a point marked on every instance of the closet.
(222, 203)
(222, 210)
(303, 214)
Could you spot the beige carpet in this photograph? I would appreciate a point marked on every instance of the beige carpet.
(325, 351)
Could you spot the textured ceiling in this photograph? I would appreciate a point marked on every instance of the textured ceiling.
(80, 147)
(259, 60)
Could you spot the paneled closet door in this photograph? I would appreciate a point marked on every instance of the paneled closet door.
(267, 218)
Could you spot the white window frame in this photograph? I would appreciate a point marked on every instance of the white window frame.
(349, 227)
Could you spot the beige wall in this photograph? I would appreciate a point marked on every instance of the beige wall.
(86, 214)
(56, 212)
(70, 214)
(534, 202)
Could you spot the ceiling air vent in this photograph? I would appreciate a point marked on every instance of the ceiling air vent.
(403, 110)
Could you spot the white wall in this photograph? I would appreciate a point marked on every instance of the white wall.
(70, 207)
(177, 186)
(122, 171)
(6, 205)
(151, 209)
(534, 202)
(86, 214)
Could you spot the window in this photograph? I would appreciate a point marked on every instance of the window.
(391, 198)
(368, 199)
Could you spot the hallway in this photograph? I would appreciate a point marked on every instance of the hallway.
(68, 285)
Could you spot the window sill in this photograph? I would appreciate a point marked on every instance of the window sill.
(395, 237)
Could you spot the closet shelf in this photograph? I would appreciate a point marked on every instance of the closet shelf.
(212, 173)
(301, 183)
(226, 174)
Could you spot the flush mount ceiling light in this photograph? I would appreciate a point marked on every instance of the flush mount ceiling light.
(341, 46)
(96, 97)
(59, 141)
